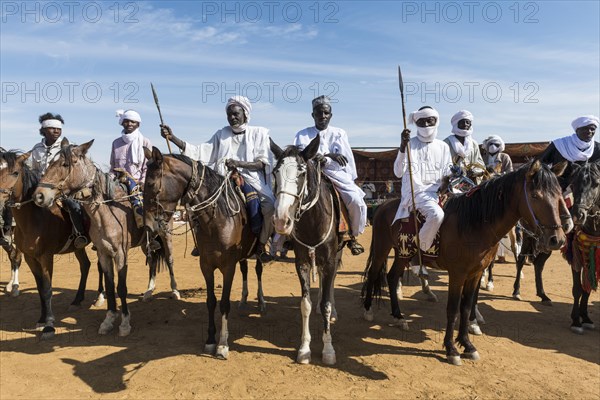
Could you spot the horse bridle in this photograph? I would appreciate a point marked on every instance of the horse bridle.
(303, 193)
(538, 226)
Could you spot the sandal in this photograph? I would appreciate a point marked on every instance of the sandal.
(355, 247)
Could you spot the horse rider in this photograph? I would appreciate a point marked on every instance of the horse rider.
(430, 162)
(42, 154)
(245, 148)
(127, 159)
(464, 150)
(339, 165)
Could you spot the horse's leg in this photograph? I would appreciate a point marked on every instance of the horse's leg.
(244, 270)
(121, 261)
(326, 306)
(577, 291)
(466, 307)
(538, 264)
(84, 268)
(514, 245)
(42, 271)
(303, 272)
(152, 267)
(211, 304)
(168, 254)
(586, 322)
(15, 256)
(473, 320)
(490, 280)
(454, 297)
(262, 304)
(517, 285)
(99, 302)
(109, 278)
(427, 289)
(375, 270)
(225, 305)
(393, 280)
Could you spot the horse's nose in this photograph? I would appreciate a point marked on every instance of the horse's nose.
(579, 216)
(38, 199)
(555, 242)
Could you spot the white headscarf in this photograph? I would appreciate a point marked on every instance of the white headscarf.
(574, 149)
(429, 133)
(243, 102)
(52, 123)
(136, 150)
(493, 146)
(462, 114)
(585, 121)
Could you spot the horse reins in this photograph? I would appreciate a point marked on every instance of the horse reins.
(538, 226)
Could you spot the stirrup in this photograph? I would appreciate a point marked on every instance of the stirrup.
(355, 247)
(195, 252)
(262, 255)
(80, 241)
(154, 245)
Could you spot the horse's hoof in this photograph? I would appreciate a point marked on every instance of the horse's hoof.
(210, 348)
(329, 358)
(105, 328)
(454, 360)
(124, 330)
(588, 325)
(517, 297)
(475, 330)
(99, 302)
(400, 323)
(262, 308)
(222, 352)
(368, 315)
(175, 295)
(471, 356)
(490, 286)
(577, 329)
(15, 292)
(47, 333)
(147, 296)
(547, 302)
(303, 357)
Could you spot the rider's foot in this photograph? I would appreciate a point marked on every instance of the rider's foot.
(154, 245)
(195, 252)
(262, 255)
(355, 247)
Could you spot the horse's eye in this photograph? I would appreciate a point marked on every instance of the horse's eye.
(15, 173)
(65, 165)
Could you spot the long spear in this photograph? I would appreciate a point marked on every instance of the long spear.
(412, 187)
(160, 114)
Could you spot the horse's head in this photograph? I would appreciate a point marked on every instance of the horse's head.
(11, 165)
(585, 184)
(291, 182)
(70, 172)
(543, 208)
(165, 183)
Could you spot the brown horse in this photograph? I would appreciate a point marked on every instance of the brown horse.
(219, 219)
(472, 227)
(306, 209)
(112, 224)
(585, 247)
(39, 234)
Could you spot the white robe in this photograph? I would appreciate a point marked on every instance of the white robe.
(335, 140)
(430, 163)
(42, 156)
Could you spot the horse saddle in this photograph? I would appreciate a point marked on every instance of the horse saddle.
(407, 238)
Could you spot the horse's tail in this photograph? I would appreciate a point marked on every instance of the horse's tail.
(160, 255)
(374, 277)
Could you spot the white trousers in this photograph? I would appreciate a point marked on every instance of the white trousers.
(435, 216)
(357, 208)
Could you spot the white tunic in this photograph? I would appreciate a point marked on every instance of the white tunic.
(335, 140)
(42, 156)
(251, 146)
(430, 163)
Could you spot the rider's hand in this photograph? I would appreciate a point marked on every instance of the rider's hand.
(405, 139)
(230, 163)
(320, 159)
(165, 131)
(338, 158)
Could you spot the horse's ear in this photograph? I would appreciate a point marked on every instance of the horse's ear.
(64, 143)
(559, 168)
(277, 152)
(157, 156)
(311, 150)
(147, 153)
(534, 169)
(82, 150)
(23, 157)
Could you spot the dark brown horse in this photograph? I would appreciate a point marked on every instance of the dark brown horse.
(219, 219)
(39, 234)
(585, 247)
(112, 224)
(472, 227)
(306, 209)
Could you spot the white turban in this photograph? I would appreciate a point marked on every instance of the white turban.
(494, 140)
(426, 134)
(52, 123)
(462, 114)
(242, 102)
(585, 121)
(130, 115)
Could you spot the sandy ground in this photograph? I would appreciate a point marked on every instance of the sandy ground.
(527, 350)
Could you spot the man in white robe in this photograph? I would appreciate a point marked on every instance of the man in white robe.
(243, 147)
(339, 165)
(430, 161)
(464, 150)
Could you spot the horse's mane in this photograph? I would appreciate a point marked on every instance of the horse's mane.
(491, 200)
(212, 180)
(10, 157)
(29, 178)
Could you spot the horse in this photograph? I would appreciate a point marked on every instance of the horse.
(218, 218)
(113, 229)
(307, 209)
(585, 245)
(477, 220)
(33, 238)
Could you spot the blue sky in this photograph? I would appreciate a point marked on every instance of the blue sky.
(524, 69)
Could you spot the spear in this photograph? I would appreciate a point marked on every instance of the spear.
(412, 187)
(160, 114)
